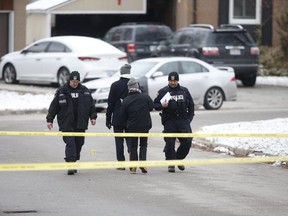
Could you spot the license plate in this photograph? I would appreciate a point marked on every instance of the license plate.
(235, 52)
(140, 49)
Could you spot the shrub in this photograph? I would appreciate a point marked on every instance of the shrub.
(273, 62)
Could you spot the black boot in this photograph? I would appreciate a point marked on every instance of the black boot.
(71, 172)
(171, 169)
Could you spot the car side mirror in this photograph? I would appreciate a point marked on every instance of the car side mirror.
(24, 51)
(157, 74)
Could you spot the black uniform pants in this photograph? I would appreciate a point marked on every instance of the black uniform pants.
(119, 142)
(73, 146)
(177, 126)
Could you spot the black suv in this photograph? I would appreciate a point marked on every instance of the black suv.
(138, 40)
(229, 45)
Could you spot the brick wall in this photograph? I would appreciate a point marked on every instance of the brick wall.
(278, 7)
(207, 12)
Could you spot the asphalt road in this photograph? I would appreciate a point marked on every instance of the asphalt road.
(206, 190)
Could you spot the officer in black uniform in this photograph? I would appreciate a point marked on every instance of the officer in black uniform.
(73, 105)
(177, 114)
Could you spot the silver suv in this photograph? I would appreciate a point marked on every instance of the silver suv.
(228, 45)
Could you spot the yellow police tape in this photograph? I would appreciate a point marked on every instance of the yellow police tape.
(105, 165)
(257, 135)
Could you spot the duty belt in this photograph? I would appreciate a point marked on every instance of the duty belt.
(177, 116)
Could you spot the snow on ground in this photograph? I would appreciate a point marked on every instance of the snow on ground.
(273, 81)
(277, 146)
(14, 101)
(11, 100)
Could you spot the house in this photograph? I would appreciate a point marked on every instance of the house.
(24, 21)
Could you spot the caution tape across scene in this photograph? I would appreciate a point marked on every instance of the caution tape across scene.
(111, 164)
(256, 135)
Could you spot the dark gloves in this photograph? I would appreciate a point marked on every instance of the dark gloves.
(108, 124)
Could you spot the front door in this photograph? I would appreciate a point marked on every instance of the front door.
(4, 27)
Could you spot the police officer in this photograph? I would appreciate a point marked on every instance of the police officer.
(177, 114)
(73, 105)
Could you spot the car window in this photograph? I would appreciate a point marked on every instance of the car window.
(127, 34)
(181, 37)
(236, 39)
(139, 69)
(113, 35)
(39, 47)
(116, 36)
(190, 36)
(57, 47)
(192, 67)
(185, 39)
(168, 68)
(151, 33)
(108, 35)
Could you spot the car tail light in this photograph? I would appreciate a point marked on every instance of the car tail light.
(233, 78)
(131, 47)
(83, 58)
(210, 51)
(254, 51)
(123, 58)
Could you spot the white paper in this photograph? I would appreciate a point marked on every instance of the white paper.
(166, 97)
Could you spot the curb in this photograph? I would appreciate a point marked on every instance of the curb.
(210, 146)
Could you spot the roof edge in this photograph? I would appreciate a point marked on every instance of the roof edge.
(42, 6)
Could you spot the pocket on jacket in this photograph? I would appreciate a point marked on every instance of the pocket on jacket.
(62, 100)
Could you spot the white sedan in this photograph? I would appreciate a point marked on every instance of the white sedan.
(208, 85)
(50, 60)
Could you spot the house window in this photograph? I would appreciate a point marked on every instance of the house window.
(245, 12)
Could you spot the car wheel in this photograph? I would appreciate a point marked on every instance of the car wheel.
(213, 99)
(249, 82)
(63, 76)
(9, 74)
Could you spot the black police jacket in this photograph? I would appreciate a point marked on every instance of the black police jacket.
(181, 105)
(62, 106)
